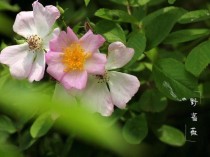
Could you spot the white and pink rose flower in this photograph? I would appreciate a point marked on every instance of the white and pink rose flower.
(83, 72)
(28, 59)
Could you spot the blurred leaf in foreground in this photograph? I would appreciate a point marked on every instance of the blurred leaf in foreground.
(72, 119)
(6, 124)
(7, 150)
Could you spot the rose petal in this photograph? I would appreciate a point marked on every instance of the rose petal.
(55, 67)
(118, 55)
(22, 67)
(56, 71)
(75, 79)
(61, 94)
(91, 42)
(51, 14)
(19, 59)
(46, 40)
(122, 87)
(53, 57)
(96, 64)
(62, 41)
(71, 36)
(12, 54)
(97, 97)
(24, 24)
(44, 18)
(38, 67)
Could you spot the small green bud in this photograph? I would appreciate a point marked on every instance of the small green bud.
(60, 9)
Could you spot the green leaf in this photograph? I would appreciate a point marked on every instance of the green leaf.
(43, 87)
(151, 101)
(158, 24)
(198, 58)
(25, 140)
(115, 15)
(135, 129)
(133, 3)
(42, 124)
(111, 31)
(4, 5)
(194, 16)
(173, 80)
(61, 10)
(3, 45)
(170, 135)
(177, 55)
(8, 150)
(3, 136)
(139, 13)
(137, 3)
(152, 54)
(122, 2)
(137, 41)
(186, 35)
(171, 1)
(116, 115)
(155, 2)
(87, 2)
(6, 124)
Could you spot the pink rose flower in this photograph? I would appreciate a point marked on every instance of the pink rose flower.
(70, 59)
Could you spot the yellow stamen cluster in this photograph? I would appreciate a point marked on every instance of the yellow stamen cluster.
(74, 57)
(34, 42)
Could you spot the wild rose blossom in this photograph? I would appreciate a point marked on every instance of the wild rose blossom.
(122, 86)
(97, 95)
(27, 60)
(70, 59)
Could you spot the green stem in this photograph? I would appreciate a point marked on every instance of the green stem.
(128, 8)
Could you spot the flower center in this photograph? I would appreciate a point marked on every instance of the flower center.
(102, 78)
(74, 57)
(34, 42)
